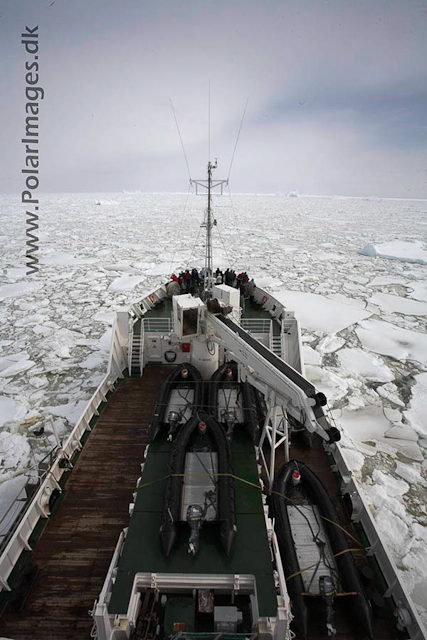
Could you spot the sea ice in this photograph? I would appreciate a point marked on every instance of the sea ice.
(410, 472)
(416, 414)
(333, 386)
(397, 250)
(397, 304)
(14, 453)
(317, 313)
(368, 426)
(18, 289)
(10, 410)
(389, 340)
(358, 362)
(418, 291)
(71, 411)
(392, 486)
(393, 529)
(310, 355)
(15, 363)
(389, 391)
(331, 343)
(379, 281)
(126, 283)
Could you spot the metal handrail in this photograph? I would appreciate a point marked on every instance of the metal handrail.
(25, 499)
(257, 325)
(157, 325)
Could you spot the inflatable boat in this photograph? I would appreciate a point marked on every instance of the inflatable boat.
(181, 395)
(232, 402)
(200, 488)
(314, 550)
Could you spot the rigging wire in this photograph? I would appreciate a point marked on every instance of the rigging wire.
(182, 144)
(237, 140)
(209, 121)
(192, 250)
(180, 227)
(225, 248)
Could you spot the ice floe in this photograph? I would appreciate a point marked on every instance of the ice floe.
(15, 290)
(358, 362)
(398, 304)
(368, 428)
(414, 251)
(388, 340)
(321, 314)
(10, 410)
(14, 364)
(416, 414)
(126, 283)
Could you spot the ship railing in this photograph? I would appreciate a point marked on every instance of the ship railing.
(23, 527)
(16, 510)
(102, 621)
(157, 325)
(257, 325)
(141, 350)
(405, 611)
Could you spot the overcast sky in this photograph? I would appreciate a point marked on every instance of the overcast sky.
(337, 94)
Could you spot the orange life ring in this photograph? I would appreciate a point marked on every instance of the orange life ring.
(152, 298)
(264, 299)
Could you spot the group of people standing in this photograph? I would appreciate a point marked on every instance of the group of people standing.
(190, 281)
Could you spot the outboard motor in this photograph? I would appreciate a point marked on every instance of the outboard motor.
(195, 516)
(173, 419)
(327, 591)
(230, 421)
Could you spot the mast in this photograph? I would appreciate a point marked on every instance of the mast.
(209, 223)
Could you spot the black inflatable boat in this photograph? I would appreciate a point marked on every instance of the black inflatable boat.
(200, 436)
(308, 502)
(187, 384)
(232, 402)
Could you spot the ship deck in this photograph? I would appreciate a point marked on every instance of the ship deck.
(250, 553)
(76, 546)
(75, 549)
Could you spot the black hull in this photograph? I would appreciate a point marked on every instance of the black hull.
(218, 379)
(349, 576)
(226, 500)
(174, 381)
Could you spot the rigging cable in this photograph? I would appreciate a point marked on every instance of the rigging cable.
(209, 122)
(192, 250)
(237, 140)
(182, 144)
(180, 226)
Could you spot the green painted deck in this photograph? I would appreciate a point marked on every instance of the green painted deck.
(250, 554)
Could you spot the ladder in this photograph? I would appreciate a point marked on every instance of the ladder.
(276, 345)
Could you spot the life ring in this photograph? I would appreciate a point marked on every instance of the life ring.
(264, 299)
(152, 298)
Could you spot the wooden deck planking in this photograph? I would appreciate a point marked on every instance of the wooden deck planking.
(75, 550)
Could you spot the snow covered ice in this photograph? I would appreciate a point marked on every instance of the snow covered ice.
(363, 321)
